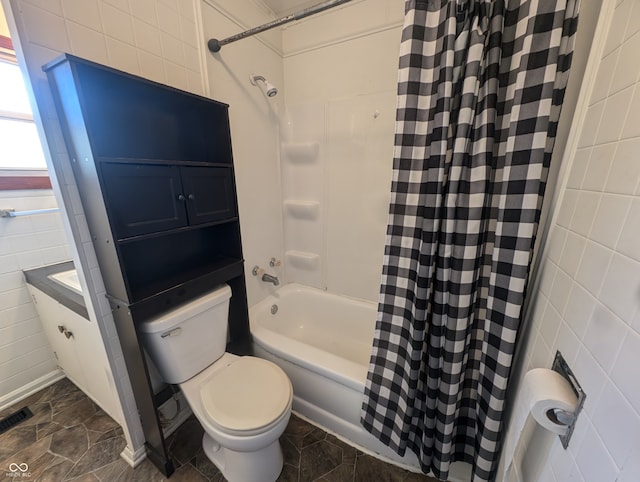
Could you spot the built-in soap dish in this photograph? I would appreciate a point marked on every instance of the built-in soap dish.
(299, 209)
(300, 152)
(560, 365)
(302, 260)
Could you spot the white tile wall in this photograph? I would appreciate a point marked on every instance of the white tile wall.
(598, 270)
(114, 32)
(25, 242)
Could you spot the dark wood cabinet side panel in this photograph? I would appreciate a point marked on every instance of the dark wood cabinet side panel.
(239, 333)
(78, 144)
(138, 371)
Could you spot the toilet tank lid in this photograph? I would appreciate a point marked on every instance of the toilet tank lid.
(188, 310)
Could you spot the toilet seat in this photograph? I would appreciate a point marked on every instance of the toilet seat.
(247, 396)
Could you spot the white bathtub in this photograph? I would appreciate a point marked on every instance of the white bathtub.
(323, 342)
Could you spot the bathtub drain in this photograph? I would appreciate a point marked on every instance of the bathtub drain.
(274, 309)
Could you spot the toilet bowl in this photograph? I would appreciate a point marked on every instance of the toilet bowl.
(243, 403)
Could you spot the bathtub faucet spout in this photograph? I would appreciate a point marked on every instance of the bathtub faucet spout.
(270, 279)
(267, 278)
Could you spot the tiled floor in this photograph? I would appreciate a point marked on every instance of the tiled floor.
(69, 438)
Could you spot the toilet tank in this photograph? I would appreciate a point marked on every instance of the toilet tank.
(185, 341)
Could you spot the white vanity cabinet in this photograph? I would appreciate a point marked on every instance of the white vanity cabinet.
(78, 348)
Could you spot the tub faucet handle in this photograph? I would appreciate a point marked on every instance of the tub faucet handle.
(274, 263)
(259, 272)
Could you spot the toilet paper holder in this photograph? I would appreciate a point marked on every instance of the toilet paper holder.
(562, 417)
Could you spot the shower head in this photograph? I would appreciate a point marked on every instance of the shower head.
(267, 87)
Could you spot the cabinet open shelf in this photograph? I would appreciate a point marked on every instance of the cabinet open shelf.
(169, 162)
(160, 296)
(154, 265)
(142, 237)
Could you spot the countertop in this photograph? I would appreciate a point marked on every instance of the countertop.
(39, 278)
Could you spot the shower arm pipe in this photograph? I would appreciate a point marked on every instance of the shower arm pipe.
(215, 45)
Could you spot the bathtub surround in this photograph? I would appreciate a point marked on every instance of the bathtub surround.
(337, 144)
(469, 174)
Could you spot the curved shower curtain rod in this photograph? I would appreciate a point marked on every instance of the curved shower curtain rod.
(215, 45)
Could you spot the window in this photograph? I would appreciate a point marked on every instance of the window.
(20, 148)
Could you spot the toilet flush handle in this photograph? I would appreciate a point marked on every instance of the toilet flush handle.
(174, 332)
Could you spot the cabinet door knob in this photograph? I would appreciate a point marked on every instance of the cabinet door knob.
(68, 334)
(181, 197)
(191, 197)
(61, 328)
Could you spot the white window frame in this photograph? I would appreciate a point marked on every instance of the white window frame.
(19, 178)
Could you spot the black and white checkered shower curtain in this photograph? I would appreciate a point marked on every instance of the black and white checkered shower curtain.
(479, 101)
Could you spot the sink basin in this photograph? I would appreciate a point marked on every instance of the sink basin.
(68, 279)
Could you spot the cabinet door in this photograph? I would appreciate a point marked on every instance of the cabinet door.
(143, 198)
(209, 192)
(92, 360)
(52, 316)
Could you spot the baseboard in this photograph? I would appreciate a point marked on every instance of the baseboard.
(30, 388)
(133, 458)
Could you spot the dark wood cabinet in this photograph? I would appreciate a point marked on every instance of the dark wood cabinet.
(152, 198)
(154, 170)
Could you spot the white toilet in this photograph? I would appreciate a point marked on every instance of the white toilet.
(243, 403)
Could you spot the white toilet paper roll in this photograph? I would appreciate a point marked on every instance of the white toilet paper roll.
(542, 391)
